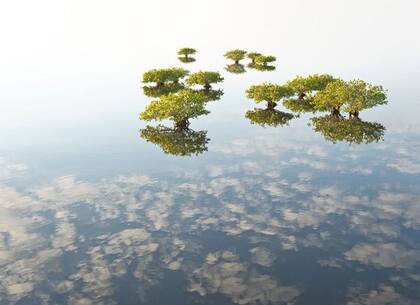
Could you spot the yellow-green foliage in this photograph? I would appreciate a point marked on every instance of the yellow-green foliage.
(235, 68)
(235, 55)
(264, 59)
(186, 51)
(253, 55)
(185, 142)
(354, 130)
(179, 107)
(162, 76)
(268, 117)
(306, 85)
(204, 78)
(268, 92)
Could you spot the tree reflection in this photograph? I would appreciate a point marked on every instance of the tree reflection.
(156, 91)
(259, 67)
(211, 94)
(337, 129)
(186, 60)
(177, 142)
(268, 117)
(235, 68)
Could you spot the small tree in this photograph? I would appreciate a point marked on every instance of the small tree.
(264, 60)
(267, 117)
(270, 93)
(355, 131)
(235, 55)
(235, 68)
(253, 55)
(351, 97)
(179, 107)
(163, 76)
(173, 141)
(204, 78)
(186, 52)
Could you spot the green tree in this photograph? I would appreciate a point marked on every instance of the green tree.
(186, 52)
(264, 59)
(235, 55)
(155, 91)
(186, 60)
(268, 117)
(211, 95)
(235, 68)
(205, 78)
(351, 97)
(177, 142)
(270, 93)
(179, 108)
(253, 55)
(261, 67)
(164, 76)
(353, 131)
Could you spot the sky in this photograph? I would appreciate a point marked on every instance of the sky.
(59, 55)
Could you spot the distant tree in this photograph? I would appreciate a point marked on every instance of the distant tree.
(264, 59)
(268, 117)
(205, 78)
(186, 52)
(270, 93)
(177, 142)
(179, 108)
(303, 90)
(235, 68)
(155, 91)
(351, 97)
(253, 55)
(163, 76)
(353, 131)
(235, 55)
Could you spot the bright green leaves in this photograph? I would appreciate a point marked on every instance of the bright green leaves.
(253, 55)
(164, 76)
(305, 85)
(235, 55)
(268, 92)
(264, 59)
(179, 107)
(205, 78)
(186, 51)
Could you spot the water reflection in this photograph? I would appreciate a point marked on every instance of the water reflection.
(259, 67)
(175, 141)
(158, 91)
(268, 117)
(235, 68)
(185, 55)
(354, 130)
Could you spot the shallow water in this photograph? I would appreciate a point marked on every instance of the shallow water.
(91, 213)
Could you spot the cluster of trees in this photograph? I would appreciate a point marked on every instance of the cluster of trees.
(258, 61)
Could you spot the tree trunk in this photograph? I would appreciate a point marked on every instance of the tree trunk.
(271, 105)
(186, 56)
(336, 113)
(354, 115)
(159, 84)
(207, 87)
(302, 95)
(236, 62)
(182, 125)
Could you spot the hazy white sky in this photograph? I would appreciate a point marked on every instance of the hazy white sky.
(62, 52)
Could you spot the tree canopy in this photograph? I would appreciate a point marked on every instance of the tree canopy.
(179, 107)
(158, 91)
(205, 78)
(268, 117)
(264, 59)
(186, 51)
(253, 55)
(353, 130)
(270, 93)
(165, 75)
(351, 97)
(235, 55)
(185, 142)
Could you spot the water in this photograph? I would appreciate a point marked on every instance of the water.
(92, 213)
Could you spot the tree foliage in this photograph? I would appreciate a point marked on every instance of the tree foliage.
(253, 55)
(185, 142)
(186, 51)
(351, 97)
(205, 78)
(267, 92)
(354, 131)
(299, 105)
(261, 67)
(158, 91)
(268, 117)
(235, 55)
(179, 107)
(186, 60)
(163, 76)
(264, 59)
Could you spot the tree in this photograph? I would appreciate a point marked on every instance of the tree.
(235, 55)
(268, 117)
(186, 60)
(270, 93)
(253, 55)
(211, 95)
(164, 76)
(336, 129)
(261, 67)
(186, 52)
(155, 91)
(177, 142)
(235, 68)
(351, 97)
(264, 59)
(179, 107)
(204, 78)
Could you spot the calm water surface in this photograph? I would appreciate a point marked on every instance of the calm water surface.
(92, 213)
